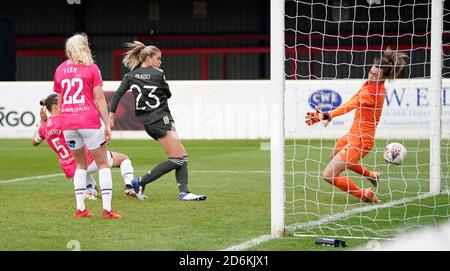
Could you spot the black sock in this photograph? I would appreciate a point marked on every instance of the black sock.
(161, 169)
(181, 174)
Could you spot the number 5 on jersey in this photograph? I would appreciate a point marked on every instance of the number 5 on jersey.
(63, 152)
(72, 97)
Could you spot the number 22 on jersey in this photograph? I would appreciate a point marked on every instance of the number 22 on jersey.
(72, 91)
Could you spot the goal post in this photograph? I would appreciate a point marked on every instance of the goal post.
(321, 53)
(435, 95)
(277, 76)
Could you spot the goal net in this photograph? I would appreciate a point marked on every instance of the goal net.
(330, 46)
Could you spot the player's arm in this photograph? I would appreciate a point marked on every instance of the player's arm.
(123, 88)
(37, 138)
(317, 116)
(102, 108)
(346, 107)
(165, 86)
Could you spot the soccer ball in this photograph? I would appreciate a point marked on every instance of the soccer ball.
(395, 153)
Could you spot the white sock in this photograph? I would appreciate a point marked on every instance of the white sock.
(79, 184)
(127, 171)
(105, 179)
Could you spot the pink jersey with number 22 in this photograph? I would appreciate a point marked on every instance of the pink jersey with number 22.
(75, 83)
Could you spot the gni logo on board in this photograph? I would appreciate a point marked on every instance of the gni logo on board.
(325, 99)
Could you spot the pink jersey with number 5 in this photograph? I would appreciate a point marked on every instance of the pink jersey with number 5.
(76, 83)
(52, 132)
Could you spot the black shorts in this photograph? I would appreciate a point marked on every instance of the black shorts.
(159, 128)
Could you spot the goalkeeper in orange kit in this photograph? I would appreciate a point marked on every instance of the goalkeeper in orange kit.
(352, 147)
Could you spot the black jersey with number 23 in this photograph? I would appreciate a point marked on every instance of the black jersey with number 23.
(150, 90)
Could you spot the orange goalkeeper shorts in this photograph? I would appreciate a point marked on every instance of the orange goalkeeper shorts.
(351, 150)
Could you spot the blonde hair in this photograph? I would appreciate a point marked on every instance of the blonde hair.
(391, 63)
(137, 54)
(77, 49)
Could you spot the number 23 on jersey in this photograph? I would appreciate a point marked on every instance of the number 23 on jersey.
(150, 95)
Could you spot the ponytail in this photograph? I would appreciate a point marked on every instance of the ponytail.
(137, 54)
(391, 63)
(131, 59)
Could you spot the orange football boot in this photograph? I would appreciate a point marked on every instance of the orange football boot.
(375, 178)
(110, 214)
(84, 213)
(369, 196)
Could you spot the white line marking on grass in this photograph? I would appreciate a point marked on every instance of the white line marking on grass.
(223, 171)
(29, 178)
(263, 238)
(338, 216)
(250, 243)
(198, 171)
(233, 171)
(360, 237)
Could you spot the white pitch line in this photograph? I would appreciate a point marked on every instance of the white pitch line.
(338, 216)
(263, 238)
(250, 243)
(198, 171)
(233, 171)
(29, 178)
(223, 171)
(360, 237)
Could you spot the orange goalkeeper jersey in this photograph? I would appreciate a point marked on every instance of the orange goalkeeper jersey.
(368, 102)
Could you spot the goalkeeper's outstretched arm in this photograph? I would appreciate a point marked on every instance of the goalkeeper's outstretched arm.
(317, 116)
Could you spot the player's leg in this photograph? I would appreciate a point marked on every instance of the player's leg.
(90, 183)
(91, 192)
(373, 176)
(76, 144)
(120, 160)
(160, 131)
(357, 167)
(331, 174)
(353, 155)
(338, 164)
(95, 143)
(342, 143)
(167, 136)
(175, 155)
(175, 148)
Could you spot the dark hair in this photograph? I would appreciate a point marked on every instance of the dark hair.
(391, 63)
(49, 102)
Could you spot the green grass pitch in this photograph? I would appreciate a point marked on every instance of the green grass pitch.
(38, 213)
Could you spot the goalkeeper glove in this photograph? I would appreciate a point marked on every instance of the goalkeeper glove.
(314, 117)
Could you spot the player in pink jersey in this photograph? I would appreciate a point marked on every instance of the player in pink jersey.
(78, 83)
(51, 131)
